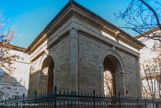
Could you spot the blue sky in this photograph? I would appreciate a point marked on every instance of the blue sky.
(31, 16)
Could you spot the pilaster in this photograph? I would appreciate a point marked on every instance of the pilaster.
(73, 60)
(138, 77)
(121, 83)
(101, 69)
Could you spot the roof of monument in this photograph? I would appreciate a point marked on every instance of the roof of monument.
(105, 22)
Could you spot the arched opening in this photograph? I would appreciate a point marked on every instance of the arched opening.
(111, 67)
(50, 77)
(46, 82)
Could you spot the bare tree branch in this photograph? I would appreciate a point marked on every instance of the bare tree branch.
(142, 16)
(155, 14)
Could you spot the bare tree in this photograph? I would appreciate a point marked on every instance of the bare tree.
(150, 73)
(6, 36)
(108, 83)
(142, 16)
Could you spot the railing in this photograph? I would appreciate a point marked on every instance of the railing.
(77, 100)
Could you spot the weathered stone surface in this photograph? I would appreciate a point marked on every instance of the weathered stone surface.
(79, 49)
(91, 52)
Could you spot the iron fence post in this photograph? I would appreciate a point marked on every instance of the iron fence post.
(157, 104)
(138, 103)
(15, 102)
(145, 103)
(119, 100)
(55, 94)
(153, 103)
(35, 99)
(23, 99)
(9, 102)
(94, 98)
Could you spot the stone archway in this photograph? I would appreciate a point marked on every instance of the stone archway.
(46, 81)
(112, 61)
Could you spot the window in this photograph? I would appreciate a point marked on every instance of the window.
(1, 75)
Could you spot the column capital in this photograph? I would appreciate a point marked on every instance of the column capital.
(73, 32)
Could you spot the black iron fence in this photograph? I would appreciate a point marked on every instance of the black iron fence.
(77, 100)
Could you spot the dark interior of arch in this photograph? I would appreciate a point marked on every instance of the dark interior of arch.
(111, 64)
(50, 77)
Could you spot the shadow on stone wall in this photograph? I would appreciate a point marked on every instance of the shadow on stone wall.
(42, 80)
(11, 87)
(33, 82)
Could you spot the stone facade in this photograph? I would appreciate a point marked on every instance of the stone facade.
(82, 46)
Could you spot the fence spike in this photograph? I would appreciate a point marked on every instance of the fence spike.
(119, 99)
(35, 93)
(55, 89)
(93, 92)
(75, 93)
(64, 91)
(119, 93)
(23, 96)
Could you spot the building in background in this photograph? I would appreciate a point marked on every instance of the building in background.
(150, 64)
(14, 78)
